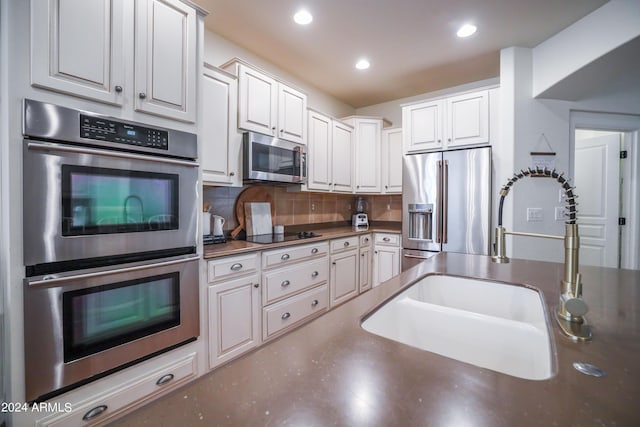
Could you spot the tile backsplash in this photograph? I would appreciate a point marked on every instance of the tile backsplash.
(298, 207)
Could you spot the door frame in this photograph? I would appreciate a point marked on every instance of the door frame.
(629, 125)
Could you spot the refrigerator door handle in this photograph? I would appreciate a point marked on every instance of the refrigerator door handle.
(445, 201)
(439, 202)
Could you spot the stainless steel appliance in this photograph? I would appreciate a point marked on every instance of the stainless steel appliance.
(446, 203)
(360, 221)
(102, 191)
(84, 326)
(110, 231)
(267, 158)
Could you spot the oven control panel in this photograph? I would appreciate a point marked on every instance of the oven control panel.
(101, 129)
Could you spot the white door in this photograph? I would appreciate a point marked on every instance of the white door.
(368, 142)
(165, 59)
(597, 182)
(234, 318)
(221, 143)
(422, 126)
(77, 48)
(342, 151)
(392, 160)
(319, 152)
(257, 101)
(364, 269)
(292, 112)
(344, 276)
(468, 119)
(386, 264)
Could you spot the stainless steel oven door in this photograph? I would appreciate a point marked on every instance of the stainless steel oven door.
(88, 204)
(82, 327)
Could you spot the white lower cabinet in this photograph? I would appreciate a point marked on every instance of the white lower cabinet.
(121, 398)
(234, 318)
(365, 280)
(234, 306)
(344, 269)
(386, 257)
(295, 287)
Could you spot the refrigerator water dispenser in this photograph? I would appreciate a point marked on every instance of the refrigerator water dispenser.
(420, 220)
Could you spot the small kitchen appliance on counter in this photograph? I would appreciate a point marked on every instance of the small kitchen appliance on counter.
(360, 220)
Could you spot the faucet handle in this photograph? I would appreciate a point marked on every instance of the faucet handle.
(576, 307)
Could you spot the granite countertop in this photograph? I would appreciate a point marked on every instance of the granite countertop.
(332, 372)
(235, 247)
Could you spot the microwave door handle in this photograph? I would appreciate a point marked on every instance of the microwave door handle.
(96, 152)
(51, 280)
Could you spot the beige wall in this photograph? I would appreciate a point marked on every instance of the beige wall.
(218, 50)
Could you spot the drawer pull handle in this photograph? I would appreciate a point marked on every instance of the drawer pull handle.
(284, 257)
(286, 315)
(314, 274)
(256, 285)
(386, 239)
(314, 302)
(92, 413)
(314, 250)
(346, 244)
(285, 283)
(237, 266)
(361, 254)
(164, 379)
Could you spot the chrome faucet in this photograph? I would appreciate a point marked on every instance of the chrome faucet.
(571, 307)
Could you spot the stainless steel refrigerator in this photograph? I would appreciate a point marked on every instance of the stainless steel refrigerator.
(446, 203)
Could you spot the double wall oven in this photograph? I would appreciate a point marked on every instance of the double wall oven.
(110, 237)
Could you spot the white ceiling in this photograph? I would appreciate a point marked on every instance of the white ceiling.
(411, 44)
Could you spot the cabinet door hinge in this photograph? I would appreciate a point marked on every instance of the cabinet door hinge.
(622, 221)
(623, 154)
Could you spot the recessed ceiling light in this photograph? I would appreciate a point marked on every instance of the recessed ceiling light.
(466, 30)
(362, 64)
(303, 17)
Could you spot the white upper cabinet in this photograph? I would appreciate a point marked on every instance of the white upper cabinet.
(85, 47)
(330, 154)
(392, 160)
(367, 135)
(77, 48)
(166, 66)
(468, 119)
(422, 126)
(268, 106)
(452, 122)
(221, 156)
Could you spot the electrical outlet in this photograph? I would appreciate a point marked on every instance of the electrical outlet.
(388, 207)
(561, 196)
(534, 215)
(313, 206)
(560, 213)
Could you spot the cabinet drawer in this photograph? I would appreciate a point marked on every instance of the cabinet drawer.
(138, 390)
(389, 239)
(365, 240)
(295, 253)
(345, 243)
(294, 310)
(283, 282)
(227, 267)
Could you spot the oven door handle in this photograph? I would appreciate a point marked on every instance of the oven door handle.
(51, 280)
(97, 152)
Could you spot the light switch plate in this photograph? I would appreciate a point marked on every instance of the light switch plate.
(560, 213)
(534, 215)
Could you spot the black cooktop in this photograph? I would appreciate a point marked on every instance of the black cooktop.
(275, 238)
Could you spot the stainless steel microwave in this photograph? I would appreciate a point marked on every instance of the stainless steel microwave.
(267, 158)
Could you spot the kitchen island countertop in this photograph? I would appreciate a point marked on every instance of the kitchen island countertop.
(332, 372)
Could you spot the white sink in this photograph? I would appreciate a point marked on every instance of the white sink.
(493, 325)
